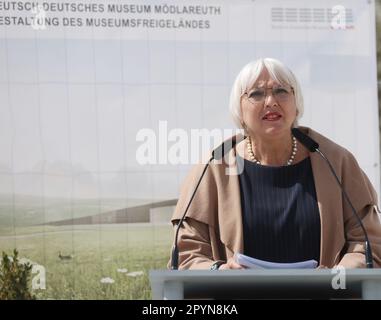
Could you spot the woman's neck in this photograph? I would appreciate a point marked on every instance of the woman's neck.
(272, 151)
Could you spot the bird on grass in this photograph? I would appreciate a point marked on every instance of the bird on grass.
(68, 257)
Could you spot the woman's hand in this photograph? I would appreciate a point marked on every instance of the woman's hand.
(231, 264)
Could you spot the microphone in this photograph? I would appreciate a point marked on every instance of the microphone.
(305, 140)
(226, 146)
(217, 154)
(313, 146)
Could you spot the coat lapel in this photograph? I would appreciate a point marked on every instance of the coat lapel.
(329, 201)
(230, 211)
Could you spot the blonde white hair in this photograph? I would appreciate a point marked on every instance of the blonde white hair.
(249, 75)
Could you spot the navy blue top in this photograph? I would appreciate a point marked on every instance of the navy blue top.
(281, 221)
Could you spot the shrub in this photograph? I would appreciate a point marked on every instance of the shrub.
(14, 278)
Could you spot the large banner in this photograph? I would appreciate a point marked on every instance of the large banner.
(105, 106)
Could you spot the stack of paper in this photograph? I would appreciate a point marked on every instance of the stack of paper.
(253, 263)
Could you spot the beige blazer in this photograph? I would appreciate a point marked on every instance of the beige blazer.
(213, 228)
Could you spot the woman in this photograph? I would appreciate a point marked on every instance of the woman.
(283, 205)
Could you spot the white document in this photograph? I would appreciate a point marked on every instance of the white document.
(253, 263)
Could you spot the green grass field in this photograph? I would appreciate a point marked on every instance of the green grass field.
(99, 251)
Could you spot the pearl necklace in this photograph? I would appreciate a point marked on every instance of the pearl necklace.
(289, 161)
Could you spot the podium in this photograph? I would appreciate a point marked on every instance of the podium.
(266, 284)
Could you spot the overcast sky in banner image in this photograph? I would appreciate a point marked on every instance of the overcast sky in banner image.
(74, 98)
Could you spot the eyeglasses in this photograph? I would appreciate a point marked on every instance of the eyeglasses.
(280, 93)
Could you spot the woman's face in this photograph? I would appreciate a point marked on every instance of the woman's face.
(268, 112)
